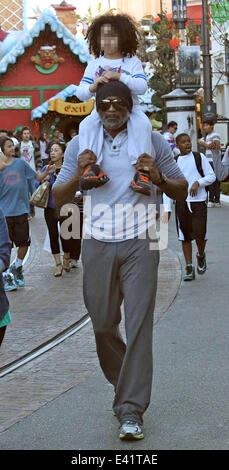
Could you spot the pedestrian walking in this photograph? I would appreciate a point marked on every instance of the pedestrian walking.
(118, 263)
(75, 243)
(3, 133)
(30, 152)
(15, 173)
(113, 39)
(221, 167)
(42, 142)
(169, 135)
(211, 137)
(191, 215)
(5, 249)
(57, 138)
(11, 135)
(52, 214)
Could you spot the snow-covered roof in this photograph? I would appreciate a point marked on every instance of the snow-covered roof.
(9, 42)
(77, 45)
(43, 108)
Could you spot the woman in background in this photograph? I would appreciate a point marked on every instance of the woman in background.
(51, 213)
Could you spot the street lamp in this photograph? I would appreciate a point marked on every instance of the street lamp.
(179, 10)
(208, 108)
(227, 57)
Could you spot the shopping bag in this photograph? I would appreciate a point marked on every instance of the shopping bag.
(41, 195)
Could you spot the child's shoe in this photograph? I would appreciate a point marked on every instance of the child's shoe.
(141, 183)
(93, 177)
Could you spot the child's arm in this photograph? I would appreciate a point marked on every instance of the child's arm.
(137, 81)
(83, 92)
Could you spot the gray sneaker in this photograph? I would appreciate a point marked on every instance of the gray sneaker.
(9, 283)
(201, 263)
(131, 430)
(18, 275)
(189, 273)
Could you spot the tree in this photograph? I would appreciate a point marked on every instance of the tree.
(162, 57)
(156, 49)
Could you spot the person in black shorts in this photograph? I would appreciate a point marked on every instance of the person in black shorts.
(15, 177)
(191, 215)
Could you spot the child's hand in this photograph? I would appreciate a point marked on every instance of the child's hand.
(94, 87)
(111, 75)
(194, 188)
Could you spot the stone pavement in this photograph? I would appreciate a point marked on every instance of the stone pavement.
(190, 406)
(45, 307)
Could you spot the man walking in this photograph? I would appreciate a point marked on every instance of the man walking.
(30, 152)
(169, 135)
(57, 138)
(206, 142)
(117, 260)
(221, 167)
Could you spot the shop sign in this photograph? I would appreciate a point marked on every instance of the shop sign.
(72, 109)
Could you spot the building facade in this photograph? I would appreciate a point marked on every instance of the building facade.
(142, 8)
(46, 60)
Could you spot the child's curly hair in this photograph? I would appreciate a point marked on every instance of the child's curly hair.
(126, 28)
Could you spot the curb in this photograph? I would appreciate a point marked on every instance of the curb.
(224, 199)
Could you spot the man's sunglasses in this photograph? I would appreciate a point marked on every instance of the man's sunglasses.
(117, 103)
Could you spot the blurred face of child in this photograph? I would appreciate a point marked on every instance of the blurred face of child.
(108, 39)
(185, 145)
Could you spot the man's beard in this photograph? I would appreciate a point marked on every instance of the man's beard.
(116, 123)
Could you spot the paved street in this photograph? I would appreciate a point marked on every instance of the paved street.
(62, 401)
(43, 309)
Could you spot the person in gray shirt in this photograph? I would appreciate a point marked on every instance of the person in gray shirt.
(118, 261)
(221, 166)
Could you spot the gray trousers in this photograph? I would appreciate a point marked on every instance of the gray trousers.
(115, 272)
